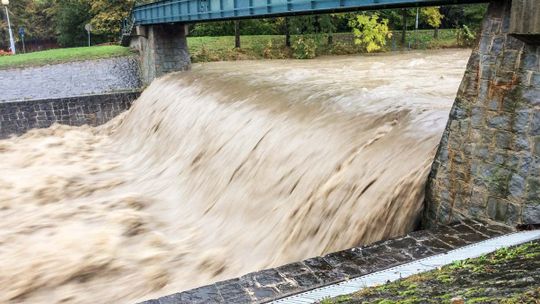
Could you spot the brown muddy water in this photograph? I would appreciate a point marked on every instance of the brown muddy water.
(227, 169)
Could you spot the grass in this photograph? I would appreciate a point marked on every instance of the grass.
(204, 49)
(509, 275)
(63, 55)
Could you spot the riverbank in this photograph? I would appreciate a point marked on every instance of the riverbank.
(208, 49)
(205, 49)
(510, 275)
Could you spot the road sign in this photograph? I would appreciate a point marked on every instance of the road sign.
(88, 27)
(21, 32)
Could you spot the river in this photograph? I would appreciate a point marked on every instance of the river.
(230, 168)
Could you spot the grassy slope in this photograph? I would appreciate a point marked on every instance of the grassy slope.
(510, 275)
(62, 55)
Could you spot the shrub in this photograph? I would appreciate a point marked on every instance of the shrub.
(369, 32)
(5, 53)
(465, 36)
(304, 48)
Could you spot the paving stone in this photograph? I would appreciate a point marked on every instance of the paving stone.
(233, 291)
(326, 273)
(268, 277)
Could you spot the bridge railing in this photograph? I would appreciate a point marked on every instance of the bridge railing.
(166, 11)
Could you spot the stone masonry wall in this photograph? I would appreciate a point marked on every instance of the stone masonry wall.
(488, 162)
(17, 117)
(163, 49)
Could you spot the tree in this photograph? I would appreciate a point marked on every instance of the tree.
(433, 17)
(326, 25)
(70, 17)
(237, 34)
(369, 31)
(107, 16)
(458, 15)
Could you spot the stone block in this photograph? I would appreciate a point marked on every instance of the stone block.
(499, 121)
(497, 209)
(535, 124)
(533, 190)
(531, 214)
(530, 62)
(503, 140)
(516, 186)
(477, 117)
(537, 146)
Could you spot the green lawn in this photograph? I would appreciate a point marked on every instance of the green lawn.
(62, 55)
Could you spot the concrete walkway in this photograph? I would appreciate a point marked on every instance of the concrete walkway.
(70, 79)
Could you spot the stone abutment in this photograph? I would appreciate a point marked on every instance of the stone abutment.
(488, 163)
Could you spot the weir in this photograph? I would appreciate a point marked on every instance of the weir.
(233, 168)
(486, 166)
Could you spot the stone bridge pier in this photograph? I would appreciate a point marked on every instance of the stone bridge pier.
(163, 49)
(488, 163)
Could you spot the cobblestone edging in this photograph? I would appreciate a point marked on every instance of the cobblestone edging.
(488, 163)
(70, 79)
(17, 117)
(271, 284)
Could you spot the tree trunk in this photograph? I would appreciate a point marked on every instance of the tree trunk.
(330, 38)
(404, 32)
(287, 33)
(237, 34)
(436, 33)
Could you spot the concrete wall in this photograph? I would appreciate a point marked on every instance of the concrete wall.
(163, 49)
(17, 117)
(488, 162)
(70, 79)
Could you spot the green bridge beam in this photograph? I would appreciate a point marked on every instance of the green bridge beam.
(188, 11)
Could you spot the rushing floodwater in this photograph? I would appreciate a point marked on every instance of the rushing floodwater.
(228, 169)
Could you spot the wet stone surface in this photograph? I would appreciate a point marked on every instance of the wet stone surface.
(271, 284)
(70, 79)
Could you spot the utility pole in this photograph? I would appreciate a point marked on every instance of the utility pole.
(11, 40)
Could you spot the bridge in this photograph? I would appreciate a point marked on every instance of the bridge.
(189, 11)
(158, 29)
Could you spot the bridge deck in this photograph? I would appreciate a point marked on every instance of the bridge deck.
(188, 11)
